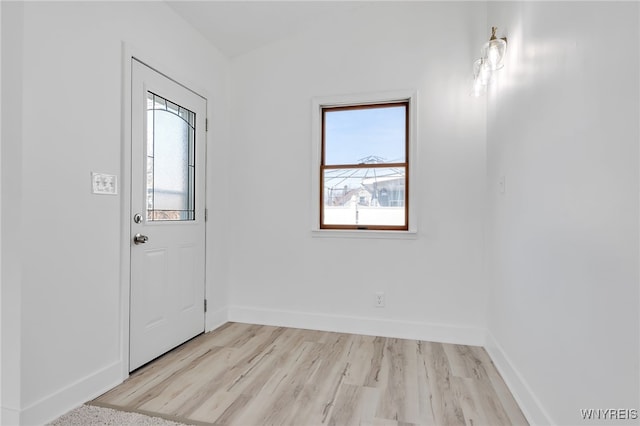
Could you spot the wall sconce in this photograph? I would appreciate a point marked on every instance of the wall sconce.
(481, 76)
(492, 60)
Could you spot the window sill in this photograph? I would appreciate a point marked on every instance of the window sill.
(383, 235)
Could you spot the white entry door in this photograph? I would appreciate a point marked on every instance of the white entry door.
(167, 217)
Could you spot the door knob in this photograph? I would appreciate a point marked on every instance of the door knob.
(140, 239)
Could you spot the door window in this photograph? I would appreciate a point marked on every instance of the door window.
(170, 160)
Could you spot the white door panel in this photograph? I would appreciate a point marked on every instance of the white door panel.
(167, 202)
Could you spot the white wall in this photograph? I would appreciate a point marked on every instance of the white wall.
(563, 130)
(0, 213)
(64, 279)
(279, 273)
(11, 197)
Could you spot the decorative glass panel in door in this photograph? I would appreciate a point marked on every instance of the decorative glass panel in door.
(170, 160)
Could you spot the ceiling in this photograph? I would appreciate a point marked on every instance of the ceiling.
(237, 27)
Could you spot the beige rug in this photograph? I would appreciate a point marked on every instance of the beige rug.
(89, 415)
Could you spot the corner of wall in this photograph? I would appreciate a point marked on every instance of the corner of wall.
(216, 318)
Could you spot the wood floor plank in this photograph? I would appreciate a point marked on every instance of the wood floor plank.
(348, 409)
(516, 417)
(251, 375)
(359, 358)
(479, 403)
(444, 405)
(473, 414)
(150, 375)
(233, 410)
(317, 398)
(399, 398)
(274, 405)
(375, 366)
(215, 407)
(200, 384)
(175, 395)
(464, 362)
(425, 392)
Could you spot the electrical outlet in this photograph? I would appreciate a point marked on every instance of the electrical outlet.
(379, 300)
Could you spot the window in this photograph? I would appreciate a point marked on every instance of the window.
(170, 160)
(364, 166)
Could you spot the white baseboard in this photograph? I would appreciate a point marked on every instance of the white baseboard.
(66, 399)
(524, 396)
(216, 318)
(444, 333)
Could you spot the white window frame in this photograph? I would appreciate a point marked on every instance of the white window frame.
(317, 104)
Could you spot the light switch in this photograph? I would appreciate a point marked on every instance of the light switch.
(104, 184)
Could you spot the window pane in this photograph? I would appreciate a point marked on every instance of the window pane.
(368, 135)
(170, 172)
(364, 196)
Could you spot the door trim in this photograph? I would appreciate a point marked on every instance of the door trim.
(130, 53)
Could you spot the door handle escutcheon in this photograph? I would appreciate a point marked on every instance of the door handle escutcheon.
(140, 239)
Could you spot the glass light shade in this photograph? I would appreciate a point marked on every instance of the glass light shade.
(493, 53)
(481, 76)
(478, 89)
(481, 71)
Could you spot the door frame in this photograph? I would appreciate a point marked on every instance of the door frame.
(130, 53)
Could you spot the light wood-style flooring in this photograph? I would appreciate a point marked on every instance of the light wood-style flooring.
(242, 374)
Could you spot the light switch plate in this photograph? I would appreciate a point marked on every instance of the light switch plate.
(104, 184)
